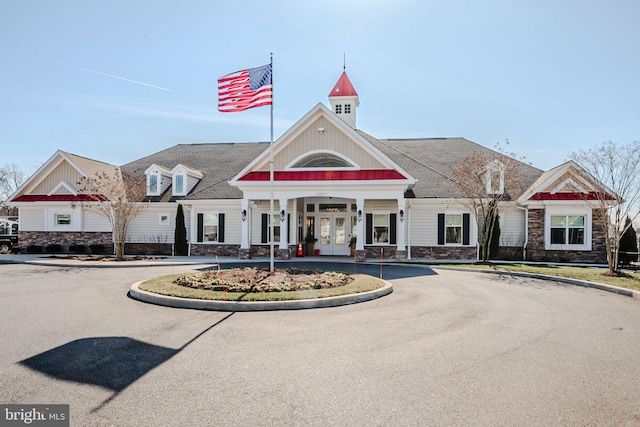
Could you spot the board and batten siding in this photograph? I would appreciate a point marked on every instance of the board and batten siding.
(63, 172)
(331, 139)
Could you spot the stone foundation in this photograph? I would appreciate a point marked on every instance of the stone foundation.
(66, 239)
(148, 249)
(467, 253)
(213, 250)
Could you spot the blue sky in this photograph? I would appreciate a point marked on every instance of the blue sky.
(119, 80)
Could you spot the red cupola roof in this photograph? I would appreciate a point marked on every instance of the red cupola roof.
(343, 87)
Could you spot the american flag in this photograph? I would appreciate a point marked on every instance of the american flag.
(241, 90)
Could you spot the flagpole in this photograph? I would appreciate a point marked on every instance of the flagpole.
(271, 179)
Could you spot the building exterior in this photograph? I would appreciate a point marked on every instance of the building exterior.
(345, 191)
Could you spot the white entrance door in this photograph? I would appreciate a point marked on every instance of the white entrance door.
(334, 234)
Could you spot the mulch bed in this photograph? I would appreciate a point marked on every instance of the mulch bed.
(254, 279)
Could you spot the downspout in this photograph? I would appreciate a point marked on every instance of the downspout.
(526, 231)
(409, 230)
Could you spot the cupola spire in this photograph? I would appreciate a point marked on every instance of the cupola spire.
(344, 98)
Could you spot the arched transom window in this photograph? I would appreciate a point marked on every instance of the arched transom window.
(322, 159)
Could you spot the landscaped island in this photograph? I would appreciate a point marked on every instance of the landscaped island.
(258, 284)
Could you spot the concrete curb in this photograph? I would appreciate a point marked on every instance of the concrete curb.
(608, 288)
(138, 294)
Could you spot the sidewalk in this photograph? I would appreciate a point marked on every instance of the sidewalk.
(151, 261)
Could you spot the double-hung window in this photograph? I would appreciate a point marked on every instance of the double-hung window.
(381, 228)
(210, 227)
(567, 229)
(453, 228)
(153, 184)
(179, 184)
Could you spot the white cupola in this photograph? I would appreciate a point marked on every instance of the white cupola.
(344, 100)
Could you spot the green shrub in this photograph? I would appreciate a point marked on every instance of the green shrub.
(34, 249)
(96, 249)
(53, 248)
(78, 249)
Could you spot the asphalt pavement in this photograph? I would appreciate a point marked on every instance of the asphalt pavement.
(445, 348)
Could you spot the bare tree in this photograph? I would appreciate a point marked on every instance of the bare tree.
(116, 197)
(613, 171)
(11, 178)
(486, 181)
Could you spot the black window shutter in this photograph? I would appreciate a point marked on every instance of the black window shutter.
(441, 229)
(465, 229)
(288, 228)
(221, 228)
(200, 228)
(392, 228)
(265, 228)
(369, 232)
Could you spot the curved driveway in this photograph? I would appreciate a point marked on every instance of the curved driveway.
(445, 348)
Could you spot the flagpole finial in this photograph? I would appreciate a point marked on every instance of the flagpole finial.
(344, 61)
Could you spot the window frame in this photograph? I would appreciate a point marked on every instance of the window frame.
(447, 227)
(375, 226)
(491, 170)
(179, 191)
(161, 217)
(57, 218)
(201, 238)
(338, 108)
(567, 213)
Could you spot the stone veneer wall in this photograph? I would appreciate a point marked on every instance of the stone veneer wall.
(213, 250)
(468, 253)
(537, 252)
(65, 239)
(147, 248)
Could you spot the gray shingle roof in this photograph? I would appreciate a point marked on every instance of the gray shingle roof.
(218, 162)
(430, 161)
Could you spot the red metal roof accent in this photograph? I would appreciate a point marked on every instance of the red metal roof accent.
(567, 196)
(343, 87)
(325, 175)
(61, 198)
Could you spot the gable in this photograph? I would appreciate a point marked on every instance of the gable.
(63, 172)
(59, 178)
(330, 139)
(320, 131)
(566, 182)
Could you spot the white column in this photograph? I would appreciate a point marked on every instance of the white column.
(401, 219)
(245, 215)
(284, 230)
(360, 221)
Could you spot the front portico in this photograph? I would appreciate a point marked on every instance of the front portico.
(325, 180)
(333, 219)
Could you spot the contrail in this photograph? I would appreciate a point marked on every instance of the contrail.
(108, 75)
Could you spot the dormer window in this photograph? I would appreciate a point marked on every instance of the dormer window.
(158, 180)
(184, 179)
(178, 186)
(494, 173)
(153, 184)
